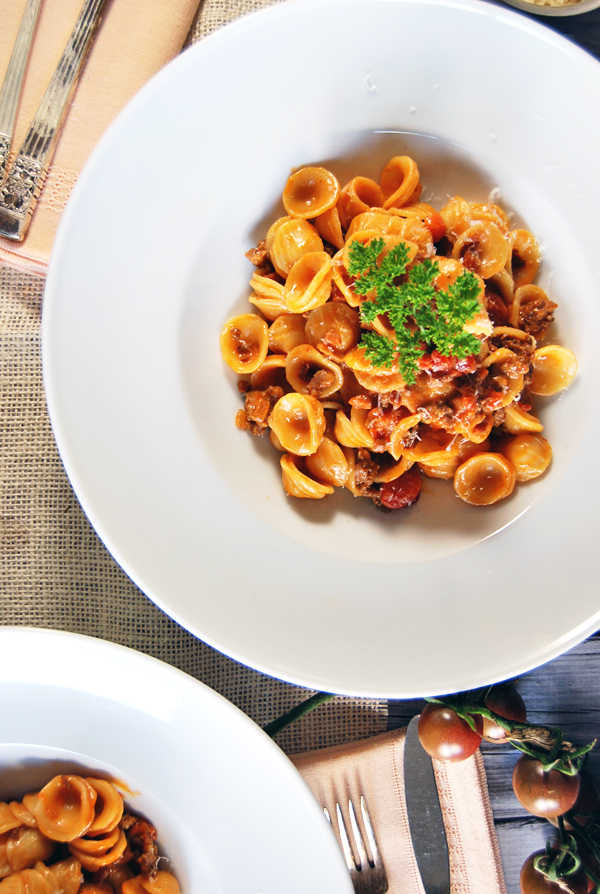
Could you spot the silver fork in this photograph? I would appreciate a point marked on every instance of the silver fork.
(366, 868)
(10, 93)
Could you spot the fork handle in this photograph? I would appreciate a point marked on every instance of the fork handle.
(19, 194)
(10, 93)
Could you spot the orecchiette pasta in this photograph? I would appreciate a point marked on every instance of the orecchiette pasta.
(74, 836)
(325, 362)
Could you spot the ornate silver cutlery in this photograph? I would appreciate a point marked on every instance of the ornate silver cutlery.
(10, 93)
(25, 179)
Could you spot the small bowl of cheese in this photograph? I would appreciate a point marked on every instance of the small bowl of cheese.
(555, 7)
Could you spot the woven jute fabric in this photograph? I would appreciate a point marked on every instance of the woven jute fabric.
(54, 570)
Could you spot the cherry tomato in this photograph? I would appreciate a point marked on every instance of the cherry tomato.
(535, 882)
(435, 224)
(446, 736)
(505, 701)
(588, 802)
(542, 792)
(402, 491)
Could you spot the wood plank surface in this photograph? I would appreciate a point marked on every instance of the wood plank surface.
(566, 693)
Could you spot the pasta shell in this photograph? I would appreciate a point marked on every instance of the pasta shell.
(531, 309)
(309, 372)
(358, 195)
(108, 808)
(287, 332)
(328, 464)
(26, 847)
(308, 284)
(329, 227)
(432, 446)
(412, 228)
(353, 432)
(292, 239)
(399, 180)
(378, 221)
(482, 248)
(271, 308)
(343, 281)
(272, 231)
(8, 820)
(245, 343)
(485, 479)
(93, 862)
(270, 373)
(456, 214)
(333, 328)
(530, 454)
(517, 420)
(297, 484)
(162, 883)
(298, 421)
(266, 287)
(391, 472)
(553, 370)
(400, 432)
(310, 192)
(65, 808)
(524, 257)
(69, 875)
(492, 212)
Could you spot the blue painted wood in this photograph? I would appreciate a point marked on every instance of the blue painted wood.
(566, 693)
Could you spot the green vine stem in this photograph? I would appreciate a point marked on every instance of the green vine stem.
(545, 743)
(319, 698)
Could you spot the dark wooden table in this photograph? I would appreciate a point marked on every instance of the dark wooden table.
(565, 692)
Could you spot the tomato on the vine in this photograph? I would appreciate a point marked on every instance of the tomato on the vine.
(446, 736)
(507, 702)
(587, 803)
(533, 881)
(545, 793)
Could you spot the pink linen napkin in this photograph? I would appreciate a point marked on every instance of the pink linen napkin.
(374, 768)
(135, 39)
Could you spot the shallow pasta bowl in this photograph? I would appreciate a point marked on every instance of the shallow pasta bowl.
(149, 264)
(184, 758)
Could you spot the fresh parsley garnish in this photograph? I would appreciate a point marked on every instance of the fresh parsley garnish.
(423, 318)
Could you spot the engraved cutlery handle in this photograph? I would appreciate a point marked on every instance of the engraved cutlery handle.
(13, 81)
(19, 194)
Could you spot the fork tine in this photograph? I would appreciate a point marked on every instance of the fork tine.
(370, 833)
(367, 871)
(363, 859)
(346, 848)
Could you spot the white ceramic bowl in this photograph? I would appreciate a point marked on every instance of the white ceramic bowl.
(149, 264)
(218, 790)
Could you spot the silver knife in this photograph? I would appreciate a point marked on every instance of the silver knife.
(23, 184)
(425, 815)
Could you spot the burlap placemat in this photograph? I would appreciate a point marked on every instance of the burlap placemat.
(55, 572)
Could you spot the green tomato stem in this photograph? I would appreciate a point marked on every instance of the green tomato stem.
(275, 726)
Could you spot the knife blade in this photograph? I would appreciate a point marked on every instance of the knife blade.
(425, 815)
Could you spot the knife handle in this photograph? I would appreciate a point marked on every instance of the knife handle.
(19, 194)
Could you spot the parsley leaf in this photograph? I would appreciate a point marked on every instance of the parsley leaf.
(423, 317)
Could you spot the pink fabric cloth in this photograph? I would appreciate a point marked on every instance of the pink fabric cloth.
(135, 39)
(375, 768)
